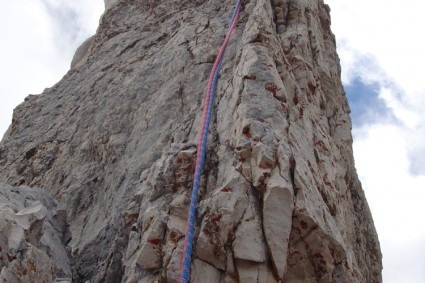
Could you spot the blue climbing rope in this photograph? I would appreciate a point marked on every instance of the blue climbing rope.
(209, 101)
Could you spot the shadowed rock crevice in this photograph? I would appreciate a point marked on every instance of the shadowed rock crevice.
(113, 144)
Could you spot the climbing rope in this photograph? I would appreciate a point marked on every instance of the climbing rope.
(200, 158)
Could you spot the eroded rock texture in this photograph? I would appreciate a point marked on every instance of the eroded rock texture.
(32, 230)
(115, 141)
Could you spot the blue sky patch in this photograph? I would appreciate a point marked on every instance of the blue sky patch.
(364, 101)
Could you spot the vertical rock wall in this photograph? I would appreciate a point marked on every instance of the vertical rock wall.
(115, 142)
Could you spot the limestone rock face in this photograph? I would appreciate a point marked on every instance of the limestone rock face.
(109, 3)
(32, 243)
(115, 143)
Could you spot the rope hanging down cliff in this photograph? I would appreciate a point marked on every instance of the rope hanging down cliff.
(209, 101)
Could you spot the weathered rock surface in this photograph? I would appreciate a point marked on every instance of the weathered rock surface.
(32, 228)
(115, 142)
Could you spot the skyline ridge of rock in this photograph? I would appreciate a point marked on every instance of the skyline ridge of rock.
(96, 172)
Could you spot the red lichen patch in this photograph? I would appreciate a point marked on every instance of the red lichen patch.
(1, 249)
(341, 123)
(175, 237)
(218, 251)
(32, 266)
(226, 190)
(155, 242)
(246, 131)
(312, 87)
(301, 112)
(295, 100)
(325, 179)
(299, 210)
(266, 165)
(303, 224)
(294, 258)
(257, 38)
(216, 218)
(296, 231)
(320, 143)
(131, 218)
(261, 189)
(320, 264)
(250, 77)
(272, 88)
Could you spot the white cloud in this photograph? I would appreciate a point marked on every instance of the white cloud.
(381, 42)
(403, 111)
(390, 30)
(396, 199)
(38, 44)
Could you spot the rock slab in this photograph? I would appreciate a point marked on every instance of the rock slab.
(32, 226)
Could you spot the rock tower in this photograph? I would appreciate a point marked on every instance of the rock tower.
(96, 172)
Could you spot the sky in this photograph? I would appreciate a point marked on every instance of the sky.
(382, 51)
(39, 38)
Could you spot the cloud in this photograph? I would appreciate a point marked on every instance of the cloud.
(395, 197)
(72, 20)
(39, 39)
(382, 54)
(386, 29)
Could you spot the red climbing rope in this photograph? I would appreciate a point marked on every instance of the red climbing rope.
(200, 158)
